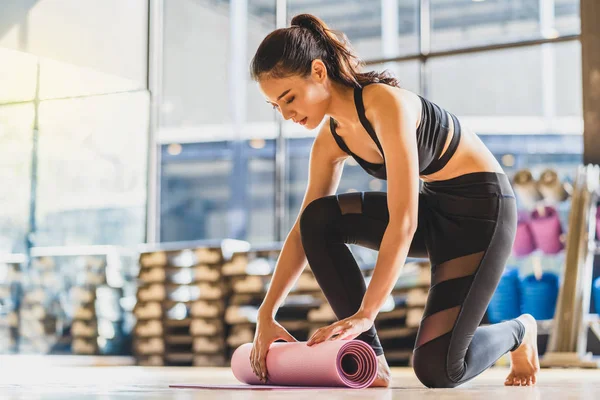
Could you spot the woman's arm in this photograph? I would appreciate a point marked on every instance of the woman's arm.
(325, 170)
(395, 126)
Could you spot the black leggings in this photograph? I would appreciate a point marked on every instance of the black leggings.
(466, 229)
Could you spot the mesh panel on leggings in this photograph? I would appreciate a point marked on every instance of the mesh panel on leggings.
(450, 283)
(456, 268)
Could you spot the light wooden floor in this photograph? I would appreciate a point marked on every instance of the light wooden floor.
(39, 378)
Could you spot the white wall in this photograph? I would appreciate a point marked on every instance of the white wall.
(106, 36)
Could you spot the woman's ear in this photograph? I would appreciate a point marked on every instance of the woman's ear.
(318, 70)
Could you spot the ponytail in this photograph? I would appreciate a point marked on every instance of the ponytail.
(290, 51)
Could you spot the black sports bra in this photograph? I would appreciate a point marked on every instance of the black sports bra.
(431, 137)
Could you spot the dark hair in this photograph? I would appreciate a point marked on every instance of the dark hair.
(290, 51)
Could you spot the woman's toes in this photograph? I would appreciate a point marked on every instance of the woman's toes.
(517, 382)
(523, 381)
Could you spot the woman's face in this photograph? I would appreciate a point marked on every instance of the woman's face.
(303, 100)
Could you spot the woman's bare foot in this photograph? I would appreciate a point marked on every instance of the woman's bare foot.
(384, 374)
(524, 360)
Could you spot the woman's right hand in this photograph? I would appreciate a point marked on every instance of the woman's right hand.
(267, 331)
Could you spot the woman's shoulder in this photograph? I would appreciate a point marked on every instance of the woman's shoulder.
(380, 96)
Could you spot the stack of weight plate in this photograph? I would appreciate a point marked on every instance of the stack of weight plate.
(10, 278)
(43, 320)
(181, 302)
(78, 300)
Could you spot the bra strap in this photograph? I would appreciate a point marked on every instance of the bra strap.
(337, 138)
(360, 108)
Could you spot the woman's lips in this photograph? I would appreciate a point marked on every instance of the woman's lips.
(303, 122)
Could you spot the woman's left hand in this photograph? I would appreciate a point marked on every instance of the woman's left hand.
(345, 329)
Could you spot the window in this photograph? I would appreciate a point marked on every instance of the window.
(195, 191)
(376, 29)
(195, 64)
(407, 73)
(467, 23)
(16, 133)
(92, 170)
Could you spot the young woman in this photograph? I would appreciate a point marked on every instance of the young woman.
(463, 218)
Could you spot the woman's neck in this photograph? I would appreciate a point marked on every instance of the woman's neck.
(341, 107)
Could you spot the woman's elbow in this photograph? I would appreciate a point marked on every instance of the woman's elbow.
(406, 225)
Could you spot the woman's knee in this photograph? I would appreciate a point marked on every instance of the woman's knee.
(317, 214)
(430, 369)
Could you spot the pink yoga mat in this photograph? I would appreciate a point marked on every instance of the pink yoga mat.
(334, 363)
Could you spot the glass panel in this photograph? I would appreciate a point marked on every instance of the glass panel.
(297, 158)
(208, 192)
(567, 78)
(92, 170)
(195, 63)
(502, 82)
(561, 152)
(195, 191)
(376, 29)
(16, 128)
(261, 21)
(261, 165)
(567, 17)
(406, 72)
(467, 23)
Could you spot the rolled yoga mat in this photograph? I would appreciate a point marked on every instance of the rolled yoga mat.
(334, 363)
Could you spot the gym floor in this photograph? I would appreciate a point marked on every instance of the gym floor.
(25, 377)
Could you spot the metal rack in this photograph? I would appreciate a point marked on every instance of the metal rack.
(572, 320)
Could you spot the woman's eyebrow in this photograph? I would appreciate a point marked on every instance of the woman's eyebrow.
(280, 96)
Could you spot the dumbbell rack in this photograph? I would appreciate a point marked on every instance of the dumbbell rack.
(537, 200)
(572, 321)
(180, 303)
(549, 330)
